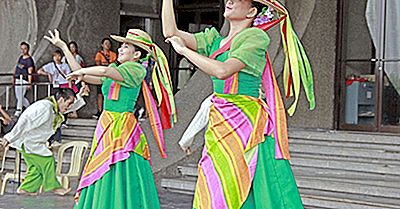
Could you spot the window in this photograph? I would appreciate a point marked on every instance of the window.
(193, 16)
(369, 65)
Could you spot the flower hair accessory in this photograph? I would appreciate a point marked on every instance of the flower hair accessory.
(145, 60)
(264, 16)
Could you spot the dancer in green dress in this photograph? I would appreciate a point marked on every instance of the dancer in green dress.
(244, 163)
(118, 173)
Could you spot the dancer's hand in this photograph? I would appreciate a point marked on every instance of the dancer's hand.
(3, 142)
(55, 39)
(76, 75)
(178, 44)
(84, 91)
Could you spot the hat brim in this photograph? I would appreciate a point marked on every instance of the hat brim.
(126, 40)
(264, 2)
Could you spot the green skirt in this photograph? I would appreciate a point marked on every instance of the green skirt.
(274, 186)
(128, 184)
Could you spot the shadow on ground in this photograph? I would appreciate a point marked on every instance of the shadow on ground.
(168, 200)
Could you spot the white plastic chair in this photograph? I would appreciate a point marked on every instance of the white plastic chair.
(3, 161)
(79, 149)
(14, 174)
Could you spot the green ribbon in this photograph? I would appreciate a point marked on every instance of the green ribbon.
(59, 116)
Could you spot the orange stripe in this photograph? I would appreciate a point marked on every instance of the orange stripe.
(204, 194)
(197, 194)
(257, 135)
(232, 144)
(105, 125)
(151, 114)
(281, 122)
(235, 82)
(240, 167)
(146, 152)
(105, 120)
(152, 118)
(115, 94)
(107, 137)
(118, 143)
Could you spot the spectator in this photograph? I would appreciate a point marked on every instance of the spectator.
(57, 71)
(22, 77)
(73, 47)
(30, 135)
(83, 88)
(103, 57)
(7, 122)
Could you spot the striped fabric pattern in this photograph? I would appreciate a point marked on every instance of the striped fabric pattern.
(229, 159)
(154, 119)
(113, 93)
(277, 125)
(116, 135)
(277, 112)
(232, 84)
(297, 68)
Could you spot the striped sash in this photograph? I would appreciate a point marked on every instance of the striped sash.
(116, 135)
(229, 158)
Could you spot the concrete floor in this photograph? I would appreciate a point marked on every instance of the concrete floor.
(168, 200)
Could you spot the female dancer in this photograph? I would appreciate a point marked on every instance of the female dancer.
(117, 173)
(244, 162)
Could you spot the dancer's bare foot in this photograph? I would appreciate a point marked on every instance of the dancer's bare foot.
(23, 192)
(61, 191)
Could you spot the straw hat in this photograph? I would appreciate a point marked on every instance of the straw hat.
(138, 38)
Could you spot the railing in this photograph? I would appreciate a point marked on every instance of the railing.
(10, 85)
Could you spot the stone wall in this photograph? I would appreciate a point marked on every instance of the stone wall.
(319, 40)
(85, 21)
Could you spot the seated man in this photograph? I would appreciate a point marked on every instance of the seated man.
(30, 134)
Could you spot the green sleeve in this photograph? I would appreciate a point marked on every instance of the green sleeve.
(113, 65)
(133, 73)
(250, 46)
(205, 39)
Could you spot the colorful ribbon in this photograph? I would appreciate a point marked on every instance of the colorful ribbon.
(297, 67)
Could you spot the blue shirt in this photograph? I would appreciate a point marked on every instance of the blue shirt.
(22, 67)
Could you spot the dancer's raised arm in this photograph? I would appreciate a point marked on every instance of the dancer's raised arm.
(55, 39)
(169, 25)
(218, 69)
(93, 74)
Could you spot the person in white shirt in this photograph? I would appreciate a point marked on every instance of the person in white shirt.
(57, 72)
(30, 134)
